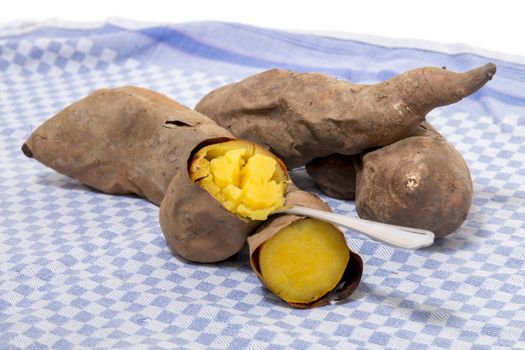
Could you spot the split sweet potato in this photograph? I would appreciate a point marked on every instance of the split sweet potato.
(207, 212)
(300, 117)
(244, 177)
(133, 140)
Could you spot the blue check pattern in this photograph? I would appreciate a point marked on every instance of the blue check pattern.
(82, 269)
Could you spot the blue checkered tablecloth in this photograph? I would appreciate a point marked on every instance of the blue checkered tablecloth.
(82, 269)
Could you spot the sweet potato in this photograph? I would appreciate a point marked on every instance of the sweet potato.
(121, 141)
(334, 174)
(204, 229)
(132, 140)
(300, 117)
(303, 260)
(421, 181)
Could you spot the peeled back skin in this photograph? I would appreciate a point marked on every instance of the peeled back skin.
(421, 181)
(334, 174)
(303, 260)
(300, 117)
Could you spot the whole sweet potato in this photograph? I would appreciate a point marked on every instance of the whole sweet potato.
(300, 117)
(421, 181)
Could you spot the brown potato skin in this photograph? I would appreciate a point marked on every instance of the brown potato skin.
(421, 181)
(132, 140)
(122, 141)
(197, 227)
(354, 269)
(335, 175)
(300, 117)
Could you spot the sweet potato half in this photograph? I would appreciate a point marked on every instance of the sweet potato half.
(303, 261)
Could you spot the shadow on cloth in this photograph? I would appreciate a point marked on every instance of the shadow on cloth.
(57, 180)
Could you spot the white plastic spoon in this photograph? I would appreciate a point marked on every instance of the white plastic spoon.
(398, 236)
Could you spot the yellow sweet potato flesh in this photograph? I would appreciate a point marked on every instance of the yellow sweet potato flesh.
(245, 179)
(304, 261)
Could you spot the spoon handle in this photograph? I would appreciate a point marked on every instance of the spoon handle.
(398, 236)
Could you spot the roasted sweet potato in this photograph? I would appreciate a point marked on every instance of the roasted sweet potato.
(132, 140)
(421, 181)
(303, 260)
(208, 221)
(300, 117)
(121, 141)
(334, 174)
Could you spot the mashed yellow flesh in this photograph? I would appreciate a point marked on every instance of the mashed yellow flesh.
(241, 177)
(304, 261)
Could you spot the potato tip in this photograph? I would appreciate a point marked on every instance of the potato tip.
(491, 69)
(27, 151)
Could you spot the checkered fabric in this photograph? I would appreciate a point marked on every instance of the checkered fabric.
(82, 269)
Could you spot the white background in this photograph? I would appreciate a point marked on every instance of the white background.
(492, 25)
